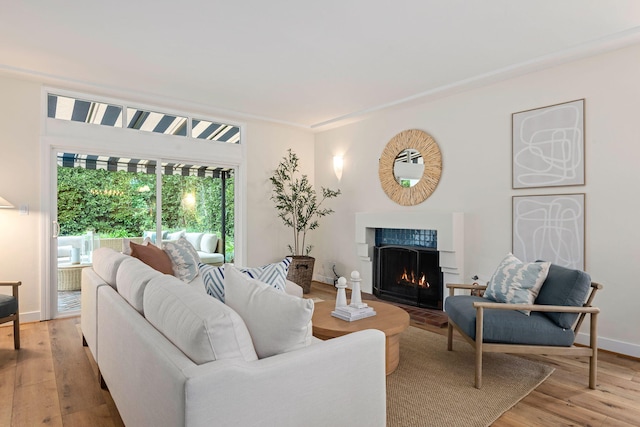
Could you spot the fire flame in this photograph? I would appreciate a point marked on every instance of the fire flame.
(411, 278)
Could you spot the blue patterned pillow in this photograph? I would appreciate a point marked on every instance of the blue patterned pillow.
(274, 275)
(515, 282)
(184, 259)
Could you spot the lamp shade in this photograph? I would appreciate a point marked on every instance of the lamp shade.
(4, 204)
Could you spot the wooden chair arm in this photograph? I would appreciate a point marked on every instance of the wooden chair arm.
(535, 307)
(474, 287)
(466, 286)
(12, 283)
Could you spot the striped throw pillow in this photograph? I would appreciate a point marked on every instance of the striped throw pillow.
(274, 275)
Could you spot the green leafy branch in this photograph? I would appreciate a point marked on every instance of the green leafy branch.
(297, 202)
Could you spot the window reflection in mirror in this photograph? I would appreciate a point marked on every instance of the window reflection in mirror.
(408, 167)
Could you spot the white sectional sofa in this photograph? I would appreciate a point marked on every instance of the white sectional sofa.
(154, 382)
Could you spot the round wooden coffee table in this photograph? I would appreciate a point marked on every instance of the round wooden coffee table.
(389, 319)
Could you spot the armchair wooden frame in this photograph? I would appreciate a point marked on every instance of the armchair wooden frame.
(14, 317)
(480, 347)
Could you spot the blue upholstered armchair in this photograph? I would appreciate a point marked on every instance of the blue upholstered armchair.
(555, 317)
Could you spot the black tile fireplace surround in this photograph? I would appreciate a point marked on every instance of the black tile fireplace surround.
(408, 274)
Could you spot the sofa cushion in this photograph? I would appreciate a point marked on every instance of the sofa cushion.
(175, 235)
(106, 262)
(274, 275)
(211, 258)
(132, 277)
(194, 239)
(64, 251)
(208, 243)
(153, 256)
(277, 322)
(506, 326)
(566, 287)
(515, 282)
(184, 259)
(203, 328)
(126, 244)
(8, 305)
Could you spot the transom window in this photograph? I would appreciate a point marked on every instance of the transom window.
(100, 113)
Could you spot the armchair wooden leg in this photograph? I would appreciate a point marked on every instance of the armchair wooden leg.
(450, 337)
(593, 360)
(103, 383)
(478, 365)
(16, 332)
(478, 346)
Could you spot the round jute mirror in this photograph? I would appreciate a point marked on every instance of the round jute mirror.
(410, 167)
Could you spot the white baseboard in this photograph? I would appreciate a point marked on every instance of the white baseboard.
(323, 279)
(615, 346)
(32, 316)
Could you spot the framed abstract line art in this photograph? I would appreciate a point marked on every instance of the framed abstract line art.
(549, 228)
(548, 146)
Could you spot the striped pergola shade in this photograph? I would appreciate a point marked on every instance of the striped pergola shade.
(114, 164)
(77, 110)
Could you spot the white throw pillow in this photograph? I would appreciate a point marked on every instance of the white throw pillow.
(208, 243)
(175, 235)
(515, 282)
(126, 244)
(194, 239)
(203, 328)
(277, 322)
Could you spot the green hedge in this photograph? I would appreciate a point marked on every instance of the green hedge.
(123, 204)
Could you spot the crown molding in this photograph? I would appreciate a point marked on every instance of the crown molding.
(596, 47)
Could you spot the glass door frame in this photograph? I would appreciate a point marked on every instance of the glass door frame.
(49, 304)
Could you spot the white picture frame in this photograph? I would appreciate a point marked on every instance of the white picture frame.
(548, 146)
(550, 228)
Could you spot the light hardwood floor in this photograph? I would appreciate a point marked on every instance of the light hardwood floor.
(52, 380)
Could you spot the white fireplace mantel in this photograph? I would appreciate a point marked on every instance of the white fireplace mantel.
(449, 226)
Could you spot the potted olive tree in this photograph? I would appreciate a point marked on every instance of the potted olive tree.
(300, 208)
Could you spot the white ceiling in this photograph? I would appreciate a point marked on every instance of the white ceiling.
(308, 63)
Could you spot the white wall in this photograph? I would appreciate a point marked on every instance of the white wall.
(20, 184)
(268, 145)
(21, 169)
(473, 130)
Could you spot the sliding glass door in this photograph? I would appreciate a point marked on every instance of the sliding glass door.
(109, 201)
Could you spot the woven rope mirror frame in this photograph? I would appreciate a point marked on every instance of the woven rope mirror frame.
(425, 144)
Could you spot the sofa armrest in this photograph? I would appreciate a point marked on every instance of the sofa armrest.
(345, 376)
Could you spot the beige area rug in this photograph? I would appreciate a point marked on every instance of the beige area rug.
(434, 387)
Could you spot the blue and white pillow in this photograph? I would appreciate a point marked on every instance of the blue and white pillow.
(184, 259)
(515, 282)
(274, 275)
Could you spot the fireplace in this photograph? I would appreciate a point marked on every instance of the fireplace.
(408, 274)
(449, 228)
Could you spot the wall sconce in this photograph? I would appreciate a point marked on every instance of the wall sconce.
(4, 204)
(337, 166)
